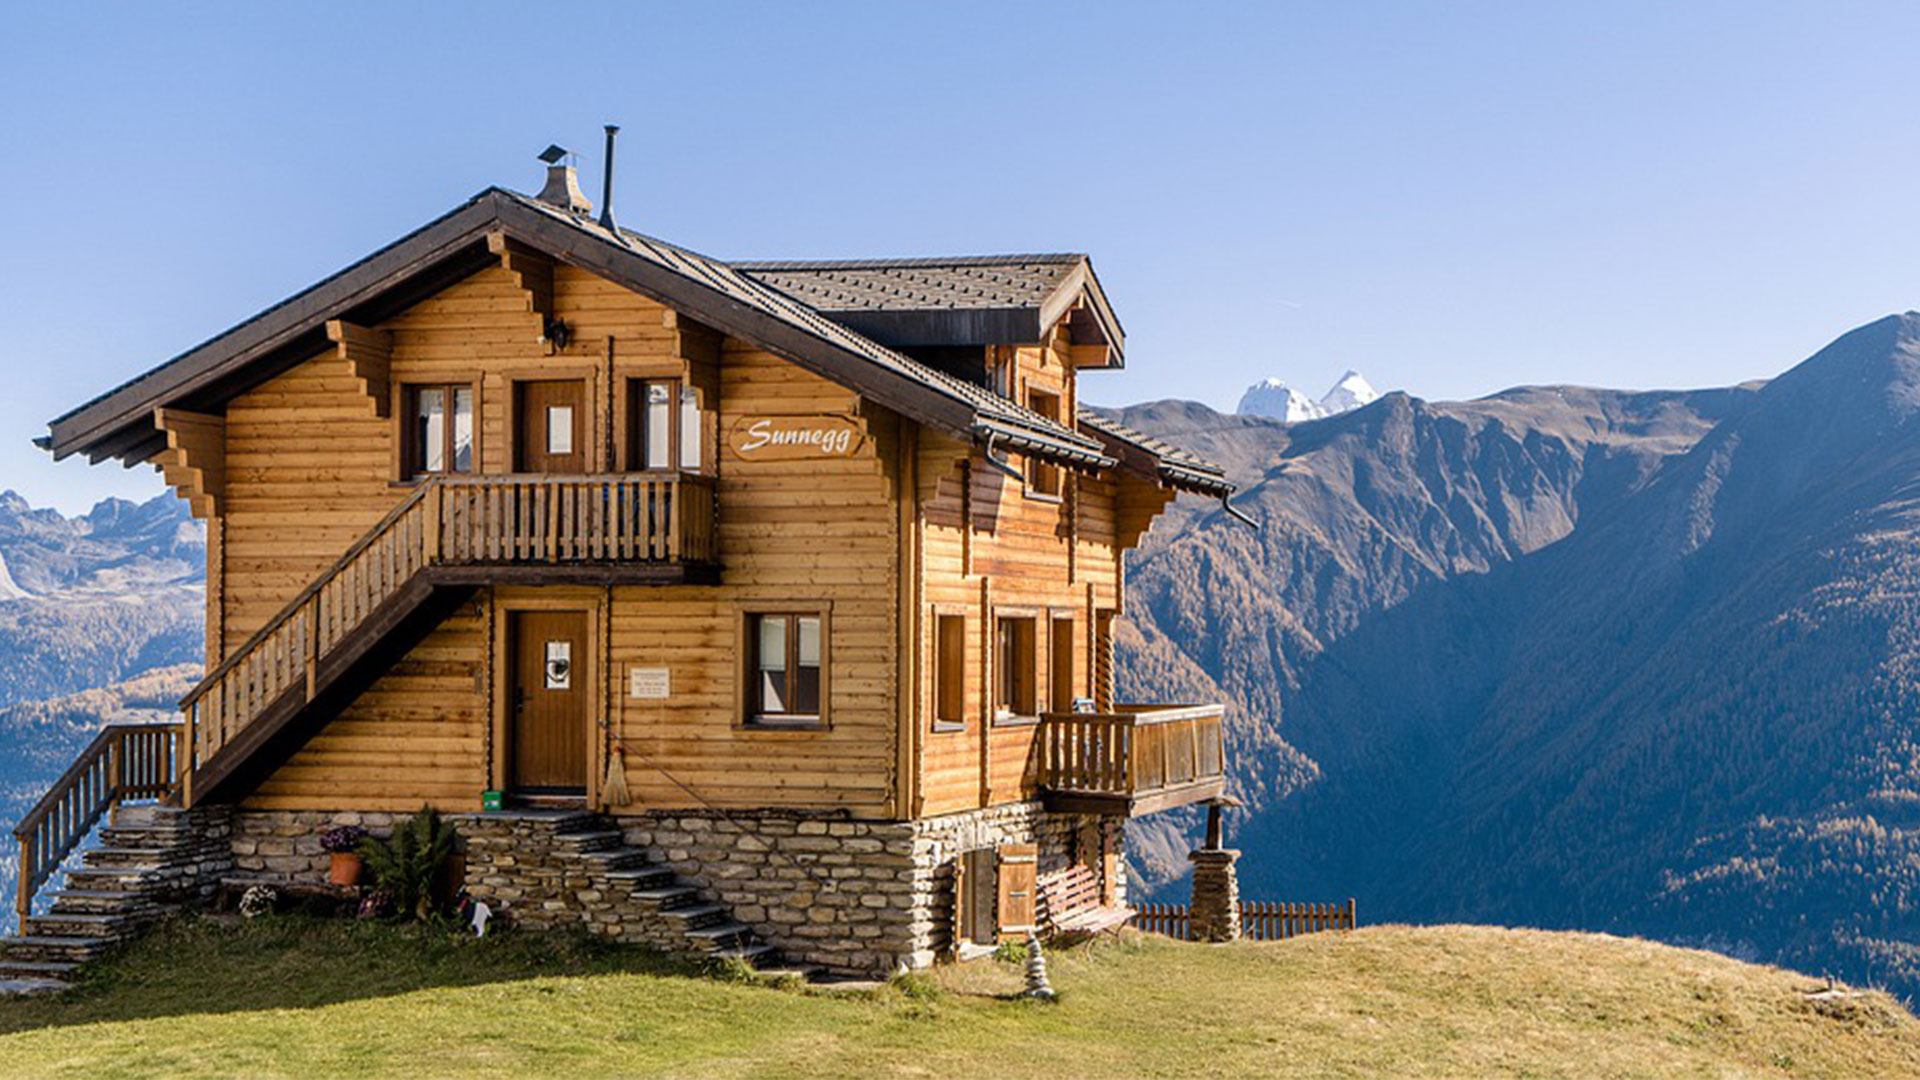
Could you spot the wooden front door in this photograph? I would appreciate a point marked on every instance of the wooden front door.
(547, 703)
(550, 426)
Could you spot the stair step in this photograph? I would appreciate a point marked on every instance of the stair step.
(664, 894)
(100, 902)
(806, 973)
(749, 953)
(105, 857)
(719, 932)
(77, 925)
(47, 949)
(15, 987)
(599, 839)
(36, 969)
(695, 911)
(617, 858)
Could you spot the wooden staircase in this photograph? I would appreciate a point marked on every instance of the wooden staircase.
(448, 538)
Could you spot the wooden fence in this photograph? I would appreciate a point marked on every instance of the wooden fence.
(1260, 920)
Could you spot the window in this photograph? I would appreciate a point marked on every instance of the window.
(439, 431)
(950, 672)
(785, 684)
(1043, 477)
(668, 426)
(1014, 669)
(1060, 661)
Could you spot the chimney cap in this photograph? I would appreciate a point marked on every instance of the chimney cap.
(553, 153)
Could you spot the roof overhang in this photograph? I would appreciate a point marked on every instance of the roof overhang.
(119, 424)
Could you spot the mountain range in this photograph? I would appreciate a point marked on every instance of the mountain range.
(101, 620)
(1639, 662)
(1275, 400)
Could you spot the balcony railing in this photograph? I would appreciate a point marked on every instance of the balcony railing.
(1135, 760)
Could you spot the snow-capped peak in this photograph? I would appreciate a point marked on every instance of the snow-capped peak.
(1274, 399)
(1352, 391)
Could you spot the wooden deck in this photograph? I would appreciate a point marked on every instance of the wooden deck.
(1136, 760)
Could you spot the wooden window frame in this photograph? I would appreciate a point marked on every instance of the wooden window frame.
(1042, 474)
(1056, 657)
(1001, 616)
(629, 422)
(937, 669)
(402, 411)
(745, 669)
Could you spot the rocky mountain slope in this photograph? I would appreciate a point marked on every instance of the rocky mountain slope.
(1570, 658)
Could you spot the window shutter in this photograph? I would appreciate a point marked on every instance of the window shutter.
(1019, 866)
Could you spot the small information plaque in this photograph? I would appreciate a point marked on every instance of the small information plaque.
(649, 682)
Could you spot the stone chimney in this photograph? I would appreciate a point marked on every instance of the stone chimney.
(563, 185)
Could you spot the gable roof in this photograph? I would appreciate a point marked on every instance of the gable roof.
(119, 423)
(953, 300)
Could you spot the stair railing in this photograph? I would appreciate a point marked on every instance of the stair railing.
(449, 521)
(123, 763)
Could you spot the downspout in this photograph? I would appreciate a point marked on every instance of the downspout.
(999, 464)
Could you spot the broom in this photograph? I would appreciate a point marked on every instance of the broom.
(614, 791)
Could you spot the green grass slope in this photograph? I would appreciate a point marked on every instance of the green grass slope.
(293, 998)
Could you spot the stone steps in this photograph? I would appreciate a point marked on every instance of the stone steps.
(52, 950)
(72, 925)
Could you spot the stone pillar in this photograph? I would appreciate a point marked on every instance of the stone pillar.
(1216, 895)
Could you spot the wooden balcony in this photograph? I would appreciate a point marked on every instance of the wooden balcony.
(612, 529)
(1136, 760)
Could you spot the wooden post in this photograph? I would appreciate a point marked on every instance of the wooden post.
(313, 647)
(436, 509)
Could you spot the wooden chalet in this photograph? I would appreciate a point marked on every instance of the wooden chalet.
(819, 561)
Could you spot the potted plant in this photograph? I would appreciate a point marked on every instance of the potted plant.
(408, 866)
(343, 843)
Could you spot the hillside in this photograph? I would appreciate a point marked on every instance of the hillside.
(291, 998)
(1631, 662)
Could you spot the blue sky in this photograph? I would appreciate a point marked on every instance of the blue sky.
(1452, 198)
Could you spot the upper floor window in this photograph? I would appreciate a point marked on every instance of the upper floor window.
(669, 429)
(439, 429)
(1015, 669)
(950, 672)
(1043, 477)
(785, 669)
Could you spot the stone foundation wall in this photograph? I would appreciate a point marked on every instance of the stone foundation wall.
(847, 895)
(867, 896)
(284, 845)
(853, 896)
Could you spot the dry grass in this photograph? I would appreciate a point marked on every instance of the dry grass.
(303, 999)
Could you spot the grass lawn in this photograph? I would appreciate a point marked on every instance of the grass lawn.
(298, 998)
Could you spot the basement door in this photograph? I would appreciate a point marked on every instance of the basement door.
(550, 426)
(547, 707)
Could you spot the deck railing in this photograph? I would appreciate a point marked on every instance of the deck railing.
(1135, 750)
(451, 521)
(123, 763)
(1260, 920)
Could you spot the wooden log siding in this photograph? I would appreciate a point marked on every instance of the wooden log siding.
(123, 763)
(494, 520)
(1260, 920)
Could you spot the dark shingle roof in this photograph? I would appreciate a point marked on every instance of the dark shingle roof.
(949, 284)
(1018, 423)
(1172, 464)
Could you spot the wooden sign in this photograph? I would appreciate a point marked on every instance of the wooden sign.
(793, 438)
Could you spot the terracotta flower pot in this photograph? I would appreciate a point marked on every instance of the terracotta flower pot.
(346, 869)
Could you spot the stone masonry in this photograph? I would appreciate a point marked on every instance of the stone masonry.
(851, 896)
(1216, 895)
(151, 860)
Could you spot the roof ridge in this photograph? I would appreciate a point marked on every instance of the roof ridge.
(909, 262)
